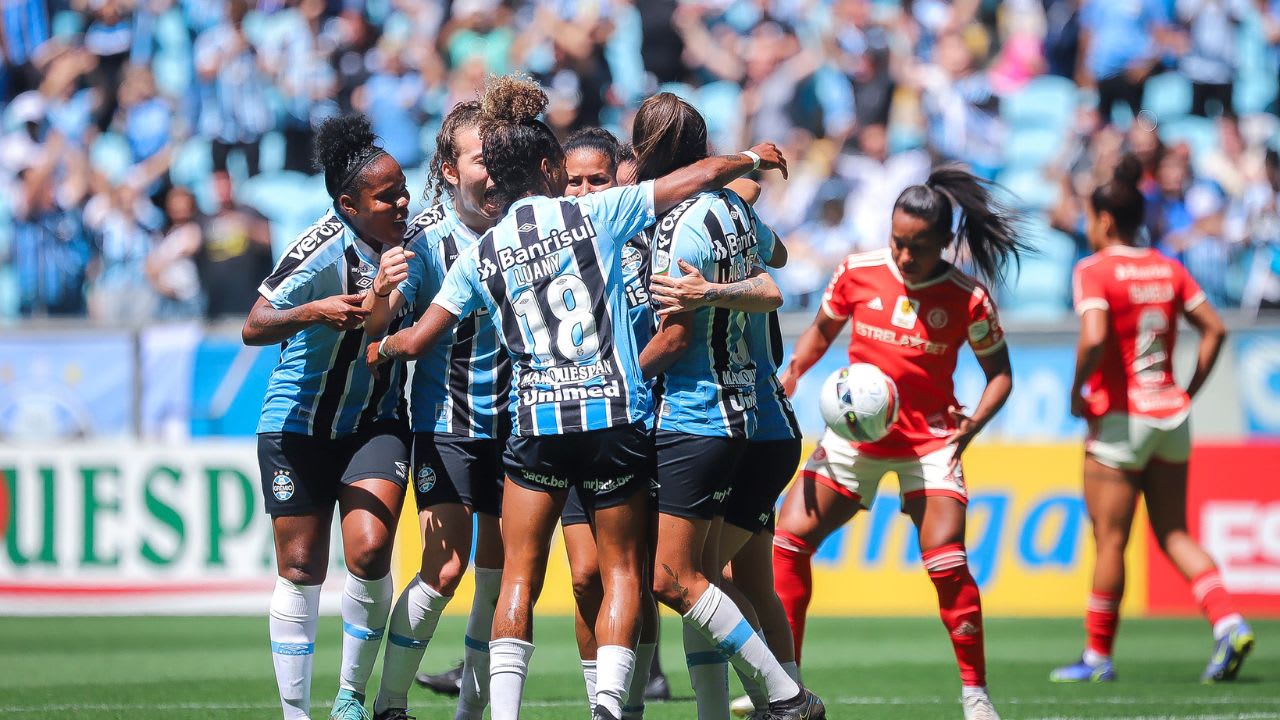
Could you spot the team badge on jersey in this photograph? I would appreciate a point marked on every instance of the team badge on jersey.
(426, 478)
(905, 311)
(282, 486)
(936, 318)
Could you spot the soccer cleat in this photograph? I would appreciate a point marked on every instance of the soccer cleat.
(657, 688)
(600, 713)
(448, 682)
(742, 707)
(1229, 653)
(349, 705)
(1081, 671)
(978, 707)
(394, 714)
(805, 706)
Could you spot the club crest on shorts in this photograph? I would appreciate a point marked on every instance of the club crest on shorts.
(282, 486)
(426, 479)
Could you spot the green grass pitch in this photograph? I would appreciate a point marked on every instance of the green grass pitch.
(174, 668)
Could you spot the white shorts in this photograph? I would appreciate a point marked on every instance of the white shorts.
(1129, 443)
(836, 464)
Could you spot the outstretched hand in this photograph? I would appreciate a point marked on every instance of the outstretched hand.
(771, 157)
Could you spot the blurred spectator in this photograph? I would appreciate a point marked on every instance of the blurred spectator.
(234, 110)
(815, 248)
(1062, 37)
(235, 254)
(148, 118)
(108, 39)
(479, 29)
(1257, 222)
(961, 107)
(122, 222)
(1122, 42)
(293, 55)
(52, 250)
(1209, 60)
(874, 179)
(171, 266)
(25, 28)
(392, 98)
(1185, 221)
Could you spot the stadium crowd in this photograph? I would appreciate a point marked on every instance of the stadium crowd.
(154, 151)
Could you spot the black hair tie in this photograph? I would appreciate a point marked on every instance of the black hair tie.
(358, 167)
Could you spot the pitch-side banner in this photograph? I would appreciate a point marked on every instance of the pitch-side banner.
(140, 528)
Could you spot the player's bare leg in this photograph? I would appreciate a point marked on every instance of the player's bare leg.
(302, 561)
(370, 511)
(446, 548)
(1165, 488)
(621, 547)
(810, 512)
(588, 593)
(530, 520)
(940, 522)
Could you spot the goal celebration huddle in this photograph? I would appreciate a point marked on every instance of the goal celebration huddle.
(585, 335)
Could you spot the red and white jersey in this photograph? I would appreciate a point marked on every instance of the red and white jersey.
(1143, 292)
(912, 332)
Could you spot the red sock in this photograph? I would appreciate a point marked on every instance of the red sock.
(793, 581)
(1213, 597)
(1101, 619)
(960, 606)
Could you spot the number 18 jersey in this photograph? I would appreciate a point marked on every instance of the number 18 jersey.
(550, 275)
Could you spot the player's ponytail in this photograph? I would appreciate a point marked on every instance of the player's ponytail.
(345, 146)
(1122, 199)
(987, 227)
(462, 116)
(515, 142)
(596, 140)
(668, 134)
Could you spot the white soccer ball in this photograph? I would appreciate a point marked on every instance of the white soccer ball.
(859, 403)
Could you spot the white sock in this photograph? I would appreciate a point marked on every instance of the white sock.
(1093, 658)
(717, 616)
(616, 665)
(474, 695)
(365, 606)
(589, 676)
(413, 623)
(1223, 627)
(708, 674)
(792, 670)
(508, 667)
(754, 690)
(973, 691)
(292, 627)
(633, 707)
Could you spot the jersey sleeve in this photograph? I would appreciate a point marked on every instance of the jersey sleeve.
(1087, 289)
(1189, 292)
(623, 211)
(692, 245)
(836, 301)
(416, 284)
(289, 286)
(986, 336)
(460, 293)
(766, 238)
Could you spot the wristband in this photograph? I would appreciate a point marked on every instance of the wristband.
(755, 159)
(382, 353)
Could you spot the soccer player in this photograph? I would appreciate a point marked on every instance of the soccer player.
(911, 311)
(549, 274)
(707, 410)
(1129, 300)
(331, 432)
(460, 425)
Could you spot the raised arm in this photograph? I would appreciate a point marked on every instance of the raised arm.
(756, 294)
(386, 300)
(267, 325)
(713, 173)
(812, 345)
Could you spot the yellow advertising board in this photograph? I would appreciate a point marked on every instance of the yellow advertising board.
(1028, 542)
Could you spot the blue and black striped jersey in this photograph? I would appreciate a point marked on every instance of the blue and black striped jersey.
(321, 386)
(462, 385)
(711, 388)
(550, 275)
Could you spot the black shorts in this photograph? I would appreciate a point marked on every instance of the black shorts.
(763, 473)
(574, 513)
(695, 472)
(458, 469)
(303, 474)
(606, 466)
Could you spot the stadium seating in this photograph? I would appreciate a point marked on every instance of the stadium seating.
(1046, 101)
